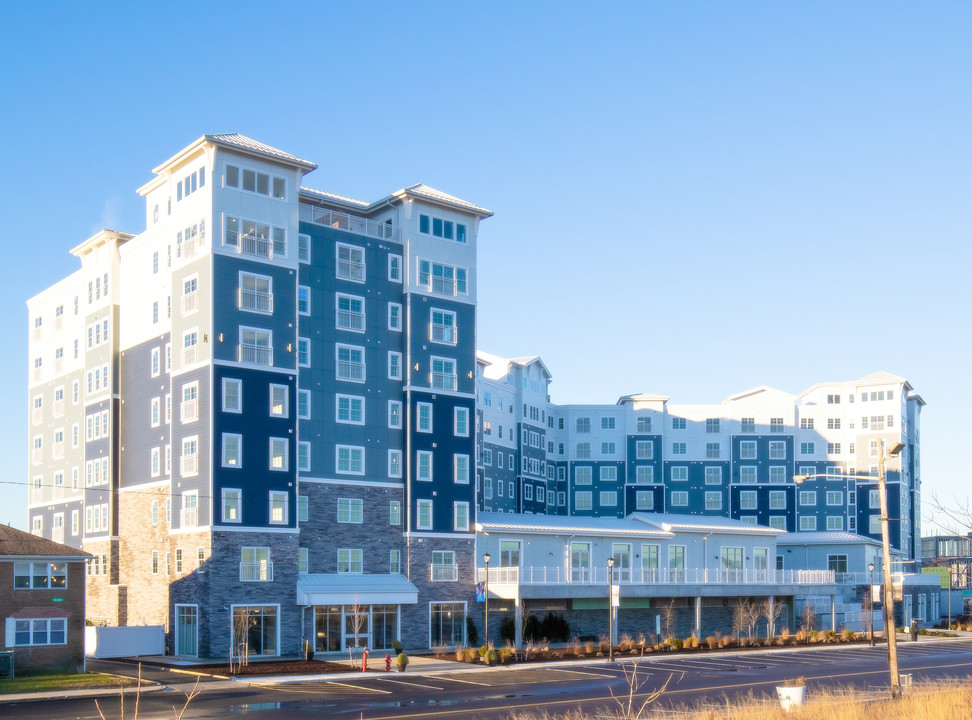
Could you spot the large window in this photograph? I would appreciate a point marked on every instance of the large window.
(443, 374)
(350, 409)
(256, 293)
(350, 313)
(443, 327)
(40, 576)
(256, 346)
(441, 228)
(256, 628)
(442, 279)
(48, 631)
(350, 561)
(350, 510)
(350, 263)
(350, 363)
(350, 460)
(447, 624)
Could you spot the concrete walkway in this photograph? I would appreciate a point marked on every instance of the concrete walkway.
(418, 665)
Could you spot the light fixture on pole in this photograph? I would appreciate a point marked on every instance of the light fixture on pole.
(888, 604)
(610, 564)
(870, 603)
(486, 559)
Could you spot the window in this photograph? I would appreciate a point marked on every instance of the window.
(442, 328)
(644, 500)
(395, 268)
(644, 474)
(423, 417)
(806, 423)
(608, 448)
(47, 631)
(713, 501)
(279, 502)
(350, 263)
(156, 415)
(350, 313)
(156, 362)
(350, 460)
(748, 425)
(232, 450)
(303, 352)
(582, 450)
(835, 497)
(833, 423)
(189, 462)
(607, 423)
(256, 346)
(189, 409)
(712, 425)
(747, 450)
(461, 469)
(394, 365)
(609, 473)
(350, 561)
(583, 500)
(303, 404)
(461, 422)
(443, 375)
(713, 475)
(644, 424)
(712, 450)
(679, 473)
(808, 523)
(350, 363)
(232, 505)
(303, 300)
(350, 409)
(350, 510)
(833, 448)
(806, 448)
(777, 474)
(424, 465)
(678, 448)
(303, 248)
(442, 279)
(777, 500)
(394, 414)
(232, 395)
(833, 399)
(583, 425)
(583, 475)
(679, 498)
(302, 508)
(777, 450)
(279, 454)
(395, 316)
(608, 498)
(460, 516)
(808, 497)
(256, 293)
(835, 522)
(747, 500)
(438, 227)
(40, 575)
(747, 474)
(776, 425)
(424, 515)
(303, 456)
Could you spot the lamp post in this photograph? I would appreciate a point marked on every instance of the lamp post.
(870, 603)
(888, 604)
(610, 565)
(486, 559)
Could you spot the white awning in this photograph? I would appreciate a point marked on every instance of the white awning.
(346, 589)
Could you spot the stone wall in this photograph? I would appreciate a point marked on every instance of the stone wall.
(415, 624)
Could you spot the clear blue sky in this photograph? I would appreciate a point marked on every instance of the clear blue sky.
(691, 198)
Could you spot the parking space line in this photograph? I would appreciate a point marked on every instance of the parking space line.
(582, 672)
(410, 684)
(453, 679)
(358, 687)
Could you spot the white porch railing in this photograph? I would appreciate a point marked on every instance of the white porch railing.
(443, 573)
(351, 223)
(650, 576)
(256, 572)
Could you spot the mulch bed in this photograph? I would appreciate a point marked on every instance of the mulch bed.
(288, 667)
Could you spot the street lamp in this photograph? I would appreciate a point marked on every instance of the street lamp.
(870, 603)
(610, 564)
(888, 605)
(486, 559)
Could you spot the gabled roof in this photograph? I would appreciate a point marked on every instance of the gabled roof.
(826, 537)
(242, 142)
(880, 377)
(16, 543)
(501, 365)
(756, 391)
(642, 397)
(429, 193)
(560, 524)
(703, 523)
(334, 197)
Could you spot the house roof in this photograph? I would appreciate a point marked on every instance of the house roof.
(16, 543)
(642, 397)
(703, 523)
(826, 537)
(418, 190)
(346, 589)
(560, 524)
(242, 142)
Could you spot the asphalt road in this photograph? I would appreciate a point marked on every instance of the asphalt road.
(496, 694)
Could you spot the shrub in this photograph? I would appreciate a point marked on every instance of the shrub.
(492, 657)
(460, 652)
(602, 643)
(555, 627)
(849, 635)
(831, 634)
(531, 628)
(625, 641)
(589, 647)
(711, 642)
(508, 630)
(397, 646)
(401, 660)
(675, 642)
(506, 654)
(472, 634)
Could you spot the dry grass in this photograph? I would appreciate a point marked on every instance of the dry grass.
(933, 701)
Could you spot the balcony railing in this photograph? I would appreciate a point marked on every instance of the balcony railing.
(651, 576)
(351, 223)
(190, 303)
(189, 355)
(257, 354)
(37, 415)
(350, 371)
(189, 517)
(57, 534)
(37, 456)
(443, 573)
(58, 408)
(256, 246)
(57, 451)
(253, 300)
(347, 320)
(190, 410)
(190, 246)
(189, 465)
(256, 572)
(444, 334)
(443, 381)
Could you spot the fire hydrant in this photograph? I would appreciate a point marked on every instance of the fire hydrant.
(364, 661)
(388, 662)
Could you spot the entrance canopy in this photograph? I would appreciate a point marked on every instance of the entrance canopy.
(346, 589)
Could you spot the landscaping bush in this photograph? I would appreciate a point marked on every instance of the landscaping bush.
(849, 635)
(506, 654)
(675, 643)
(711, 642)
(472, 634)
(555, 628)
(508, 630)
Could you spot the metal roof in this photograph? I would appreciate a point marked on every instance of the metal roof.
(704, 523)
(560, 524)
(242, 142)
(825, 537)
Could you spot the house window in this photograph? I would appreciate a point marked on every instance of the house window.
(350, 363)
(644, 500)
(303, 248)
(189, 409)
(350, 263)
(189, 462)
(777, 500)
(395, 268)
(678, 423)
(679, 473)
(350, 313)
(678, 448)
(461, 469)
(460, 513)
(394, 414)
(748, 425)
(232, 505)
(350, 409)
(747, 474)
(424, 465)
(461, 422)
(835, 522)
(713, 475)
(608, 423)
(583, 425)
(644, 424)
(424, 418)
(350, 510)
(40, 576)
(776, 425)
(644, 474)
(232, 450)
(679, 498)
(608, 448)
(806, 448)
(777, 450)
(609, 473)
(712, 450)
(279, 454)
(713, 501)
(394, 316)
(256, 346)
(303, 404)
(232, 395)
(808, 497)
(747, 500)
(394, 366)
(303, 352)
(47, 631)
(777, 474)
(303, 300)
(443, 375)
(583, 475)
(350, 460)
(644, 449)
(424, 515)
(583, 500)
(442, 279)
(712, 425)
(747, 450)
(256, 293)
(303, 456)
(608, 498)
(279, 502)
(442, 328)
(808, 523)
(303, 504)
(582, 450)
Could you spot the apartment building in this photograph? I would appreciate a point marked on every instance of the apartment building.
(735, 459)
(258, 413)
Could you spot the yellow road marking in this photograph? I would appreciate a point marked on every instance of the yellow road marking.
(452, 679)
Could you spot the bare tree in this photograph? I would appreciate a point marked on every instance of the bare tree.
(751, 615)
(738, 617)
(358, 620)
(239, 642)
(627, 704)
(771, 612)
(957, 514)
(668, 618)
(190, 696)
(809, 618)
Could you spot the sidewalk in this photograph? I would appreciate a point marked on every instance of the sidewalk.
(418, 665)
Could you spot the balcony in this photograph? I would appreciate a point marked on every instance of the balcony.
(190, 303)
(258, 301)
(347, 320)
(37, 456)
(57, 534)
(651, 576)
(444, 334)
(256, 354)
(189, 517)
(350, 223)
(57, 451)
(256, 572)
(443, 573)
(37, 415)
(443, 381)
(350, 371)
(189, 411)
(256, 246)
(58, 408)
(189, 465)
(190, 247)
(189, 355)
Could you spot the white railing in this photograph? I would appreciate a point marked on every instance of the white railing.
(443, 286)
(350, 270)
(57, 535)
(350, 371)
(256, 246)
(37, 456)
(347, 320)
(58, 408)
(190, 410)
(188, 247)
(260, 301)
(189, 517)
(37, 415)
(57, 452)
(257, 354)
(646, 576)
(190, 303)
(256, 572)
(351, 223)
(444, 334)
(189, 355)
(38, 373)
(443, 381)
(189, 465)
(58, 366)
(443, 573)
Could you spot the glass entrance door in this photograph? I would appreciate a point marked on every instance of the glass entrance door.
(187, 630)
